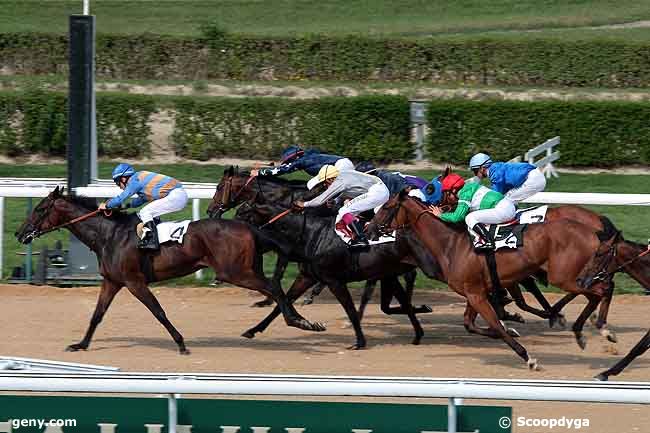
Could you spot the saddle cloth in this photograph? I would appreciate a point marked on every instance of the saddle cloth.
(345, 237)
(172, 231)
(511, 234)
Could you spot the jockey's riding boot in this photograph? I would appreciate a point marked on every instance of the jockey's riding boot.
(360, 238)
(149, 239)
(483, 232)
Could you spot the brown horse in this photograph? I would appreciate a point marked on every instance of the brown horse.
(559, 248)
(230, 248)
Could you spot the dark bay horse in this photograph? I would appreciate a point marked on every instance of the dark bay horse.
(639, 349)
(559, 248)
(237, 187)
(324, 257)
(230, 248)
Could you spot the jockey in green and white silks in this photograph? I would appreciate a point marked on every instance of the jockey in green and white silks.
(477, 204)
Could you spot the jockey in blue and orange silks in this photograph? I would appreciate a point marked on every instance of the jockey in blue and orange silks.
(164, 195)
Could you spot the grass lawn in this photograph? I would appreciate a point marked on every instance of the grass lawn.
(628, 218)
(283, 17)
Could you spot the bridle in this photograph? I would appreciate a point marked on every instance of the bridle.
(386, 227)
(36, 232)
(224, 205)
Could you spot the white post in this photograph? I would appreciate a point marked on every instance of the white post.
(2, 228)
(86, 7)
(172, 410)
(196, 212)
(452, 417)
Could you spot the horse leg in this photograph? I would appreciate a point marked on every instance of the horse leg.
(397, 290)
(367, 295)
(144, 295)
(558, 306)
(480, 303)
(340, 290)
(469, 320)
(299, 286)
(582, 318)
(278, 272)
(553, 316)
(601, 322)
(639, 349)
(309, 299)
(106, 296)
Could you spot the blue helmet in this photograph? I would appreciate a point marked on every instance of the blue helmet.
(121, 170)
(479, 160)
(291, 153)
(432, 191)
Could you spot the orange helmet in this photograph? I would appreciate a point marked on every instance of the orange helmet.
(452, 181)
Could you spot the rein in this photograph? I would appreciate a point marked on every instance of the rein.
(277, 217)
(75, 220)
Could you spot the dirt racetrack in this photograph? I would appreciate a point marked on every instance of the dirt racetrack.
(40, 322)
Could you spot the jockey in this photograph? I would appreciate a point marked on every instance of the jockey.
(477, 204)
(164, 194)
(396, 182)
(367, 192)
(517, 180)
(430, 193)
(295, 158)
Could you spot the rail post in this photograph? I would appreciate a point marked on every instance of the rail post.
(196, 212)
(452, 415)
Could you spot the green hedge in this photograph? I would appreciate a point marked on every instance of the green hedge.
(367, 127)
(600, 134)
(477, 60)
(36, 122)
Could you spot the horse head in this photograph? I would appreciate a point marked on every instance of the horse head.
(228, 191)
(600, 268)
(47, 214)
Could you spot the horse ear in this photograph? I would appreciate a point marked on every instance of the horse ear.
(56, 192)
(447, 172)
(61, 190)
(403, 194)
(228, 171)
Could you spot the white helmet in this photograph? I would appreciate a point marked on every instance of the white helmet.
(479, 160)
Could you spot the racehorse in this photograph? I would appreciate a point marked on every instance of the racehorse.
(324, 257)
(236, 188)
(230, 248)
(559, 248)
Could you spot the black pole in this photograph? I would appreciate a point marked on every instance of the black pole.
(81, 150)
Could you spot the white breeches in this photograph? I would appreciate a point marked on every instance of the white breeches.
(173, 202)
(376, 196)
(504, 211)
(535, 182)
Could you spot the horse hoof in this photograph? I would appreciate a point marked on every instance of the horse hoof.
(515, 318)
(307, 301)
(513, 332)
(416, 341)
(602, 377)
(593, 319)
(249, 334)
(561, 320)
(533, 365)
(582, 341)
(261, 304)
(609, 335)
(425, 309)
(318, 327)
(357, 346)
(75, 347)
(184, 351)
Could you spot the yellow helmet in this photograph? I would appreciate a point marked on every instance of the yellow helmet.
(325, 172)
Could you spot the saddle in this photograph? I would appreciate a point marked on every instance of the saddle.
(511, 234)
(172, 231)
